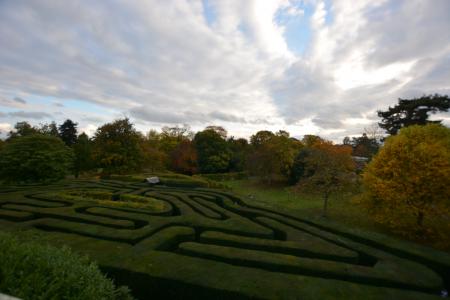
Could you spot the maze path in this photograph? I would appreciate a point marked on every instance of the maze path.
(204, 237)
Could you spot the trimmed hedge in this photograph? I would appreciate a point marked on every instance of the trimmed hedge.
(406, 278)
(301, 249)
(29, 270)
(211, 244)
(225, 176)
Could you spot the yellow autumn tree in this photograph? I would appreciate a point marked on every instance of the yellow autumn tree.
(407, 184)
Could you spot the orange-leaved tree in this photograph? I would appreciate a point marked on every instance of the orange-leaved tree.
(328, 169)
(408, 181)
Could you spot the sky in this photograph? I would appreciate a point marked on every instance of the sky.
(304, 66)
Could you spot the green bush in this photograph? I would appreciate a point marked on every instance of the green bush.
(29, 270)
(35, 158)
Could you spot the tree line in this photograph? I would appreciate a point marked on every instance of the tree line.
(409, 171)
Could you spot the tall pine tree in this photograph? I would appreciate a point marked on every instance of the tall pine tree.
(413, 112)
(68, 132)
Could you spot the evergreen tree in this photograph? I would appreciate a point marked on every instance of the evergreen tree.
(413, 112)
(68, 132)
(83, 154)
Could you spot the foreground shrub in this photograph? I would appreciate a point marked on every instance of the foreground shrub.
(29, 270)
(35, 158)
(407, 182)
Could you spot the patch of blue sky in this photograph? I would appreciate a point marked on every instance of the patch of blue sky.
(6, 109)
(329, 9)
(69, 104)
(209, 12)
(297, 27)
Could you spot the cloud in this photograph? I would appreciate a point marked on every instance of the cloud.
(29, 115)
(4, 129)
(15, 102)
(164, 62)
(20, 100)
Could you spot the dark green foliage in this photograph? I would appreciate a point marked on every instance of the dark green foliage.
(68, 132)
(364, 146)
(183, 182)
(169, 140)
(117, 147)
(239, 151)
(83, 148)
(299, 169)
(272, 154)
(29, 270)
(49, 129)
(35, 158)
(22, 129)
(212, 152)
(412, 112)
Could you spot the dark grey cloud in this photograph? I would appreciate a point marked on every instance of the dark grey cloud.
(218, 115)
(20, 100)
(29, 114)
(327, 123)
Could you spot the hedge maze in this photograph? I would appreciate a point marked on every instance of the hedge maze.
(204, 243)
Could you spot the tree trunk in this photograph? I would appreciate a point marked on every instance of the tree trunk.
(325, 204)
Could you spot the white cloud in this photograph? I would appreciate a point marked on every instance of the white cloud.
(163, 62)
(4, 129)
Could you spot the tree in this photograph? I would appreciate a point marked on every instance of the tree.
(346, 141)
(83, 154)
(154, 158)
(261, 137)
(117, 147)
(364, 146)
(184, 158)
(22, 129)
(412, 112)
(310, 139)
(219, 129)
(212, 151)
(328, 169)
(410, 176)
(272, 155)
(299, 168)
(68, 132)
(169, 139)
(35, 157)
(49, 129)
(239, 150)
